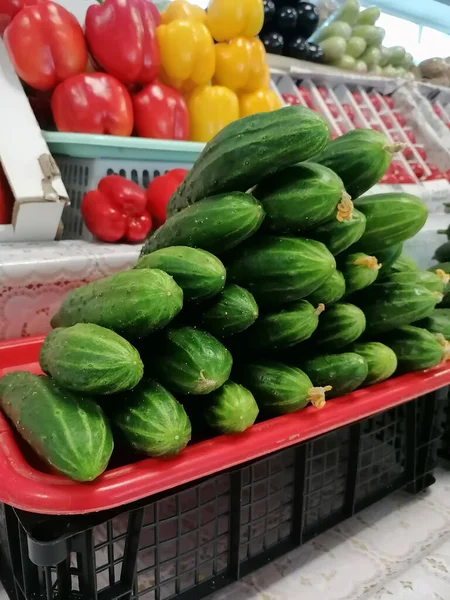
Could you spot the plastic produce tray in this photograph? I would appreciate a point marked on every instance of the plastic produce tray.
(27, 488)
(187, 542)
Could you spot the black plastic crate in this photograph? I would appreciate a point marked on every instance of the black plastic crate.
(188, 542)
(444, 416)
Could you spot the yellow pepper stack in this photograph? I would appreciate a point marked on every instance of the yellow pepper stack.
(240, 56)
(236, 65)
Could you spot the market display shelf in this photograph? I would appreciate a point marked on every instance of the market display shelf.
(27, 488)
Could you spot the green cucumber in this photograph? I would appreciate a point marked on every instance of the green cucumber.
(190, 361)
(435, 282)
(360, 157)
(391, 305)
(150, 420)
(301, 197)
(69, 432)
(278, 270)
(381, 361)
(343, 372)
(287, 327)
(359, 271)
(230, 409)
(338, 236)
(390, 219)
(233, 311)
(405, 263)
(199, 273)
(216, 224)
(131, 303)
(416, 349)
(339, 326)
(280, 389)
(89, 358)
(442, 253)
(249, 148)
(330, 291)
(437, 322)
(388, 256)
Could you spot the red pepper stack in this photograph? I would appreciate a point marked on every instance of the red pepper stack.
(100, 81)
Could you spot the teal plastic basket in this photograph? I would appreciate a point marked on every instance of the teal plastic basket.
(84, 159)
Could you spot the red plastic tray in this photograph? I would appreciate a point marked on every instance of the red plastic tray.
(24, 487)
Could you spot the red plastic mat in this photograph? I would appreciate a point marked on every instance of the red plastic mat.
(24, 487)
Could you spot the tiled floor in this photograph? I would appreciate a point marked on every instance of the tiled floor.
(399, 549)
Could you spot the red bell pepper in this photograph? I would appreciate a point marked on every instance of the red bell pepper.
(93, 103)
(121, 35)
(46, 45)
(10, 8)
(159, 191)
(116, 211)
(161, 112)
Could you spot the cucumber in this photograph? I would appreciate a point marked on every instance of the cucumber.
(360, 157)
(301, 197)
(359, 271)
(416, 349)
(189, 361)
(388, 256)
(131, 303)
(199, 273)
(69, 432)
(249, 148)
(330, 291)
(381, 361)
(281, 389)
(216, 224)
(405, 263)
(435, 282)
(278, 270)
(442, 253)
(390, 219)
(150, 420)
(230, 409)
(339, 326)
(443, 269)
(338, 236)
(343, 372)
(233, 311)
(89, 358)
(391, 305)
(437, 322)
(281, 329)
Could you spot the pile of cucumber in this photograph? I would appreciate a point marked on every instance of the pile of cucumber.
(273, 284)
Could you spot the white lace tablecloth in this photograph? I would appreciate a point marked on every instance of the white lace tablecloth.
(34, 279)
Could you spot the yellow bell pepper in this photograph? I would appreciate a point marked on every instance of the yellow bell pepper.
(227, 19)
(211, 108)
(241, 64)
(182, 9)
(187, 53)
(251, 103)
